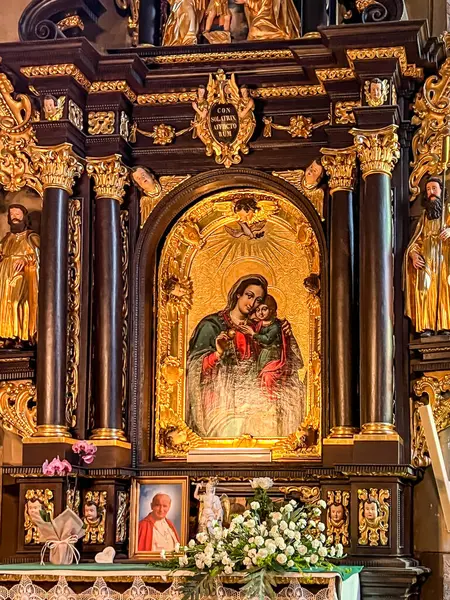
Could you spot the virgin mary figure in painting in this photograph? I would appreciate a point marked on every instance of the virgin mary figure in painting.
(227, 384)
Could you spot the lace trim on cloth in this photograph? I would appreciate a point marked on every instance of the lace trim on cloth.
(27, 590)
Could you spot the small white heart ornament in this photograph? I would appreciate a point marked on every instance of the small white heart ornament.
(106, 556)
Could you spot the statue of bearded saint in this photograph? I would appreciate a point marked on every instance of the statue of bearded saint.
(426, 267)
(271, 19)
(19, 278)
(183, 23)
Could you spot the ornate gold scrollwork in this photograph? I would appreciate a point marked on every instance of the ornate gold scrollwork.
(378, 149)
(221, 56)
(104, 87)
(69, 22)
(338, 517)
(299, 126)
(125, 261)
(18, 407)
(304, 493)
(373, 517)
(73, 314)
(432, 114)
(436, 386)
(110, 176)
(343, 112)
(94, 517)
(36, 500)
(340, 165)
(399, 52)
(123, 508)
(17, 137)
(57, 166)
(59, 70)
(296, 177)
(101, 123)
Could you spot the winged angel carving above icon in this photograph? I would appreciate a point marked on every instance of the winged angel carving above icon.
(251, 216)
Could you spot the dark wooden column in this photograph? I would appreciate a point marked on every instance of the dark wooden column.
(340, 164)
(110, 177)
(58, 167)
(378, 151)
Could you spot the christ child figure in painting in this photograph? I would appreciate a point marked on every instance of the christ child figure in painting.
(426, 266)
(19, 277)
(156, 532)
(218, 8)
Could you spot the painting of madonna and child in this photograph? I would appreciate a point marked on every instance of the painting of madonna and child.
(243, 367)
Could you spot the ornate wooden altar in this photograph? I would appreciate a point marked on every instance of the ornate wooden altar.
(133, 183)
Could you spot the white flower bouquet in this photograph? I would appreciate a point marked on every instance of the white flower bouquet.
(261, 542)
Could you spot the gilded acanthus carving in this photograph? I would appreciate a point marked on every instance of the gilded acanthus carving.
(18, 407)
(73, 312)
(101, 122)
(303, 493)
(436, 387)
(420, 456)
(378, 149)
(17, 137)
(110, 176)
(57, 166)
(432, 114)
(373, 517)
(340, 165)
(343, 112)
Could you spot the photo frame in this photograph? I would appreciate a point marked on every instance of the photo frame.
(159, 516)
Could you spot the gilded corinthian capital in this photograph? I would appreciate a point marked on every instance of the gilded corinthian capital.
(378, 149)
(57, 166)
(340, 165)
(110, 176)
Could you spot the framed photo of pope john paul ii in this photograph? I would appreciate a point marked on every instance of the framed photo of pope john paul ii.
(159, 515)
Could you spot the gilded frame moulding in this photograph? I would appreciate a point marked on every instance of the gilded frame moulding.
(194, 57)
(399, 52)
(173, 436)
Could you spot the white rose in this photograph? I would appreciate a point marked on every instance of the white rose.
(339, 550)
(252, 552)
(317, 512)
(322, 538)
(228, 570)
(246, 513)
(288, 508)
(280, 543)
(239, 519)
(322, 503)
(209, 550)
(271, 547)
(202, 537)
(250, 523)
(304, 515)
(246, 547)
(251, 540)
(235, 543)
(262, 553)
(302, 550)
(264, 483)
(208, 561)
(297, 535)
(283, 525)
(332, 551)
(255, 505)
(247, 561)
(274, 531)
(293, 503)
(313, 559)
(289, 534)
(289, 550)
(321, 526)
(183, 560)
(302, 523)
(276, 516)
(191, 543)
(292, 525)
(199, 563)
(259, 540)
(322, 552)
(312, 523)
(163, 554)
(315, 544)
(307, 559)
(290, 563)
(281, 558)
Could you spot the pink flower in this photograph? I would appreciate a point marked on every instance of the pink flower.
(84, 448)
(88, 459)
(56, 467)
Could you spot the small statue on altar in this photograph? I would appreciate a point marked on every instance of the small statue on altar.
(211, 511)
(183, 23)
(426, 266)
(19, 278)
(218, 8)
(271, 19)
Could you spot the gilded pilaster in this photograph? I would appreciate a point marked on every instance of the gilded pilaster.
(378, 149)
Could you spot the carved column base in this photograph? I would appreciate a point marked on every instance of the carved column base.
(378, 429)
(52, 431)
(107, 433)
(343, 432)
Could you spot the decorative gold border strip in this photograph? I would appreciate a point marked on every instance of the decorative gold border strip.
(61, 70)
(408, 70)
(103, 87)
(221, 56)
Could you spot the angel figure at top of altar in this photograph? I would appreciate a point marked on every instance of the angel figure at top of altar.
(211, 511)
(183, 24)
(271, 19)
